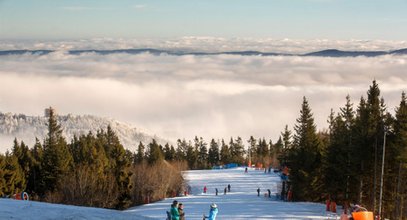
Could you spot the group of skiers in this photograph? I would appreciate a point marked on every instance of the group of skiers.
(177, 212)
(227, 189)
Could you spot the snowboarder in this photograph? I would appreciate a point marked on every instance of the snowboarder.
(174, 210)
(269, 193)
(216, 191)
(212, 212)
(228, 187)
(224, 192)
(181, 211)
(204, 189)
(258, 191)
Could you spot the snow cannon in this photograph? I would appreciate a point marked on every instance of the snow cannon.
(362, 214)
(21, 196)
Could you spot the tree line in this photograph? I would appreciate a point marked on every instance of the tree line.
(343, 162)
(92, 170)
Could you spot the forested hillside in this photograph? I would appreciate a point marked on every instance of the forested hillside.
(343, 163)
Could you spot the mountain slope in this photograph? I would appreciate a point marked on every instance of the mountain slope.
(27, 128)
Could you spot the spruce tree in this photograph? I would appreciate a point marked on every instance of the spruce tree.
(2, 172)
(251, 151)
(154, 153)
(182, 148)
(202, 154)
(57, 159)
(213, 154)
(35, 181)
(225, 156)
(14, 179)
(400, 160)
(279, 158)
(192, 156)
(304, 156)
(237, 150)
(140, 154)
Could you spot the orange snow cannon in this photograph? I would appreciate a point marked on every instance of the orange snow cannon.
(363, 215)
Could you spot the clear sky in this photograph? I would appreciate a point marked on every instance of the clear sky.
(296, 19)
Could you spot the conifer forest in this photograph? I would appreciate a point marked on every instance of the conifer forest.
(360, 158)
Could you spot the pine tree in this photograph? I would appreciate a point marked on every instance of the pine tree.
(14, 179)
(57, 159)
(2, 172)
(305, 156)
(337, 158)
(225, 156)
(237, 150)
(251, 151)
(213, 154)
(34, 181)
(154, 154)
(399, 165)
(286, 140)
(167, 153)
(140, 154)
(202, 154)
(182, 148)
(192, 156)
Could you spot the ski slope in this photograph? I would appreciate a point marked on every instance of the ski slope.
(241, 203)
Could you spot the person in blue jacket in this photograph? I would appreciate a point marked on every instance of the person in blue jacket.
(212, 212)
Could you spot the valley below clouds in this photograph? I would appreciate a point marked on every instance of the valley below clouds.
(213, 96)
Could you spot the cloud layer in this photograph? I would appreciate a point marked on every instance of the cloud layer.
(212, 44)
(183, 96)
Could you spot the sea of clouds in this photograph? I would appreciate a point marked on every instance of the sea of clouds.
(215, 96)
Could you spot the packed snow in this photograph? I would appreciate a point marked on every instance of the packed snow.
(241, 202)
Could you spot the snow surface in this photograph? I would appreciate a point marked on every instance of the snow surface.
(241, 203)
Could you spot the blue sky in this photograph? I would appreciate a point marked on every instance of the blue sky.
(295, 19)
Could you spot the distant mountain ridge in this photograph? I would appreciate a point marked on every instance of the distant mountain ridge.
(322, 53)
(27, 128)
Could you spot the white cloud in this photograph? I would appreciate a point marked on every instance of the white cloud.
(182, 96)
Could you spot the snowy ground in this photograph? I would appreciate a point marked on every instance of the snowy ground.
(241, 203)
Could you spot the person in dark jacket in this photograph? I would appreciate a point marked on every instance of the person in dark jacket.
(224, 192)
(181, 211)
(216, 191)
(228, 187)
(269, 193)
(174, 210)
(258, 191)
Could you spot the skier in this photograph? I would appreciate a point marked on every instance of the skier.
(245, 170)
(224, 192)
(258, 191)
(216, 191)
(174, 210)
(181, 211)
(204, 189)
(269, 192)
(228, 187)
(212, 212)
